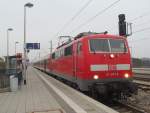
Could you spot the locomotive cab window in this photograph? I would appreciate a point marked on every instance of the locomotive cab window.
(68, 51)
(107, 45)
(99, 45)
(117, 45)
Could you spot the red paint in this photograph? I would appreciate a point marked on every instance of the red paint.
(78, 64)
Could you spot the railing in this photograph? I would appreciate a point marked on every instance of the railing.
(4, 81)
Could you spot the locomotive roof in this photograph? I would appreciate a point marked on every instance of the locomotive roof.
(90, 35)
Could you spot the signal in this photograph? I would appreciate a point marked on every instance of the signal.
(122, 25)
(125, 28)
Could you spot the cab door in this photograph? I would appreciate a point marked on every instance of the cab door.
(78, 60)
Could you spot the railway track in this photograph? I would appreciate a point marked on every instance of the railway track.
(142, 80)
(143, 87)
(124, 107)
(147, 79)
(142, 77)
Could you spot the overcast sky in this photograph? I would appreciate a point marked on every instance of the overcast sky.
(48, 17)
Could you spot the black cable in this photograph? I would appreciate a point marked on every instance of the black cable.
(141, 16)
(99, 13)
(74, 17)
(141, 30)
(137, 25)
(140, 40)
(86, 5)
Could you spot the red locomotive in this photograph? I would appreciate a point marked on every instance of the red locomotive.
(95, 62)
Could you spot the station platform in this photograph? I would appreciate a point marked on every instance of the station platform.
(44, 94)
(141, 71)
(30, 98)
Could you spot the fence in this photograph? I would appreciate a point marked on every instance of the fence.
(4, 81)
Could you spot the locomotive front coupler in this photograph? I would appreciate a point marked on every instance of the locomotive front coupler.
(100, 88)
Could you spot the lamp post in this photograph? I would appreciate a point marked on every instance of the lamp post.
(16, 54)
(9, 29)
(15, 47)
(51, 47)
(27, 5)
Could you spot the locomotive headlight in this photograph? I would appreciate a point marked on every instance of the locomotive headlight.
(95, 77)
(126, 75)
(112, 55)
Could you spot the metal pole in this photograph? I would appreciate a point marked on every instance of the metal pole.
(16, 52)
(24, 45)
(15, 48)
(9, 29)
(7, 50)
(51, 47)
(29, 5)
(40, 58)
(16, 58)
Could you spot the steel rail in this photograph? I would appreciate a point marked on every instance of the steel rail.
(129, 107)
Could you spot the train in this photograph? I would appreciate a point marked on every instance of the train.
(99, 63)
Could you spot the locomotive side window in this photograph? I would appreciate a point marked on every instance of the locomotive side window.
(56, 54)
(68, 51)
(100, 45)
(62, 52)
(117, 45)
(53, 56)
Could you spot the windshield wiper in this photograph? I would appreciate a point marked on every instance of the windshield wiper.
(93, 50)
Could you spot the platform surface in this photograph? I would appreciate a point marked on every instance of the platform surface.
(31, 98)
(82, 102)
(141, 70)
(44, 94)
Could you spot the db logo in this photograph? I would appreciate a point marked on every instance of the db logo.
(112, 67)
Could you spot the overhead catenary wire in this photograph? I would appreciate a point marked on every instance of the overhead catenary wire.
(79, 12)
(139, 17)
(93, 17)
(142, 39)
(141, 30)
(74, 17)
(137, 25)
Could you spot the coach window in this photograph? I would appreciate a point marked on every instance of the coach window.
(79, 48)
(68, 51)
(62, 52)
(58, 53)
(55, 55)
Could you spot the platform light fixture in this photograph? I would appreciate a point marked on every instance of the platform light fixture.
(27, 5)
(8, 30)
